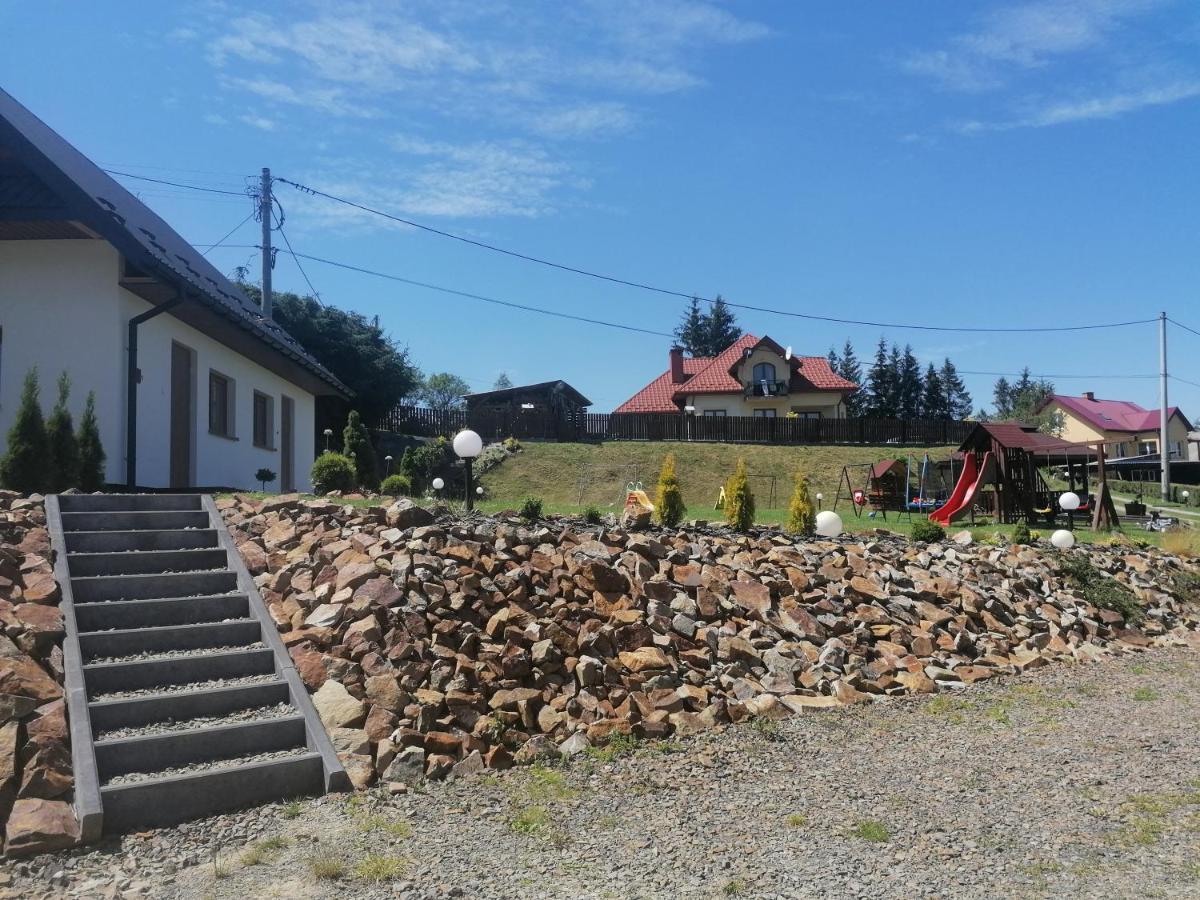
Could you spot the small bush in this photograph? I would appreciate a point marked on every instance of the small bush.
(739, 500)
(422, 463)
(1101, 590)
(333, 472)
(25, 466)
(592, 516)
(927, 532)
(668, 501)
(531, 509)
(1021, 534)
(802, 515)
(61, 441)
(91, 450)
(263, 475)
(357, 446)
(871, 830)
(512, 445)
(396, 486)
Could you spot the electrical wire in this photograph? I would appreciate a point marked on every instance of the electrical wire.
(690, 296)
(228, 234)
(295, 258)
(178, 184)
(1184, 380)
(1047, 375)
(1184, 327)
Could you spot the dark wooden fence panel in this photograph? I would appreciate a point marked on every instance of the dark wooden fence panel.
(539, 424)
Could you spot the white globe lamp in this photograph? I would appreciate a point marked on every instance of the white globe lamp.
(479, 490)
(438, 484)
(468, 445)
(1063, 539)
(820, 499)
(829, 524)
(1069, 502)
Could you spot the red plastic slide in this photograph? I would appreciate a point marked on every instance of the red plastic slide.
(969, 483)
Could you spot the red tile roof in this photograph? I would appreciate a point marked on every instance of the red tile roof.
(1113, 415)
(713, 375)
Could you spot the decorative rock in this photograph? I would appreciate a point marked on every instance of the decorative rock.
(337, 708)
(39, 826)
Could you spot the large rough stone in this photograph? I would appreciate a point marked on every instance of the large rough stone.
(337, 707)
(406, 514)
(40, 826)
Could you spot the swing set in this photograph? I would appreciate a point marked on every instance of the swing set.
(887, 486)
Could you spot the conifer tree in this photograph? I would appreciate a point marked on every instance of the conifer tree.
(690, 335)
(850, 369)
(739, 500)
(356, 441)
(879, 383)
(668, 501)
(721, 329)
(61, 441)
(91, 450)
(933, 396)
(908, 379)
(25, 466)
(958, 398)
(1002, 398)
(802, 516)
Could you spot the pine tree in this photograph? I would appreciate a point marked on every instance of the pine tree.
(909, 380)
(834, 362)
(802, 515)
(503, 382)
(879, 383)
(934, 403)
(721, 329)
(668, 501)
(739, 500)
(850, 369)
(356, 441)
(25, 467)
(91, 450)
(958, 398)
(1002, 394)
(690, 335)
(61, 441)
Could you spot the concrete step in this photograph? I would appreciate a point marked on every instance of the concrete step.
(156, 613)
(134, 521)
(149, 562)
(107, 678)
(126, 641)
(155, 752)
(155, 803)
(120, 541)
(179, 705)
(127, 502)
(152, 587)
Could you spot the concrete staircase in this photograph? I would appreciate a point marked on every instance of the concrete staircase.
(182, 699)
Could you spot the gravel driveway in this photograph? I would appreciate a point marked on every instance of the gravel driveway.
(1072, 780)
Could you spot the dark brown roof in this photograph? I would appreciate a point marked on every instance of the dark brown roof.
(1018, 436)
(541, 387)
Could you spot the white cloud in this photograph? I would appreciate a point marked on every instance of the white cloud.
(1110, 106)
(215, 119)
(262, 123)
(584, 120)
(332, 101)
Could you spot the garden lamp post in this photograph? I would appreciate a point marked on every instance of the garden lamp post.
(387, 469)
(468, 445)
(820, 497)
(1184, 497)
(328, 435)
(437, 485)
(1069, 502)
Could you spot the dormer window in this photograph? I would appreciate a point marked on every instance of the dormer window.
(764, 371)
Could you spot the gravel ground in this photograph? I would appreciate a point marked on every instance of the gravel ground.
(192, 686)
(241, 715)
(1067, 781)
(147, 655)
(192, 769)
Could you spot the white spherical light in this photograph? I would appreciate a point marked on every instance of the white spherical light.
(829, 524)
(438, 484)
(1063, 539)
(468, 444)
(1069, 502)
(479, 491)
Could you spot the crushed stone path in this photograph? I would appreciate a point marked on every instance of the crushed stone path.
(1078, 781)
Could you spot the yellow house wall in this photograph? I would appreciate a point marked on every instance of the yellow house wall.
(1076, 429)
(827, 403)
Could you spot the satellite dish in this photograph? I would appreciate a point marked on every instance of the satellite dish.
(787, 354)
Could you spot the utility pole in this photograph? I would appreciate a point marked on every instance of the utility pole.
(264, 213)
(1164, 449)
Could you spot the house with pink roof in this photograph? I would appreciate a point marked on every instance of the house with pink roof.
(753, 376)
(1126, 428)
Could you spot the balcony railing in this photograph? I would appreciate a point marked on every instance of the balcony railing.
(766, 389)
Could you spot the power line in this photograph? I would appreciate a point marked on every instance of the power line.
(689, 296)
(1185, 381)
(296, 259)
(1048, 375)
(1184, 327)
(178, 184)
(228, 234)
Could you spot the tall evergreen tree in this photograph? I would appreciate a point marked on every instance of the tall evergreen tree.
(1002, 394)
(909, 379)
(934, 403)
(834, 362)
(25, 466)
(958, 398)
(878, 401)
(691, 333)
(503, 382)
(61, 441)
(850, 369)
(721, 328)
(91, 450)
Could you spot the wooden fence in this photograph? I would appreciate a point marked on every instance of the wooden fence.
(536, 424)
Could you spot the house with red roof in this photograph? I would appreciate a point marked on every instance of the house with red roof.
(1126, 428)
(753, 376)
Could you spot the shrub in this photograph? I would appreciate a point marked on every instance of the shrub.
(61, 441)
(25, 466)
(927, 531)
(512, 445)
(333, 472)
(531, 509)
(739, 500)
(422, 463)
(668, 501)
(1021, 534)
(802, 515)
(263, 475)
(1101, 590)
(592, 516)
(396, 486)
(91, 451)
(356, 441)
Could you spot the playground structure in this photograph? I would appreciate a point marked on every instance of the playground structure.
(888, 486)
(1002, 478)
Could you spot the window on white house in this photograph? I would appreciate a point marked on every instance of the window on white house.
(220, 404)
(764, 413)
(715, 413)
(264, 421)
(1147, 447)
(764, 371)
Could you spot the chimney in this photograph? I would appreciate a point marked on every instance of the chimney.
(676, 359)
(1089, 395)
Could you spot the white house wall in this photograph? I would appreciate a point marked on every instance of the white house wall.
(62, 308)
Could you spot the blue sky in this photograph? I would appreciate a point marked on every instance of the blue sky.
(947, 163)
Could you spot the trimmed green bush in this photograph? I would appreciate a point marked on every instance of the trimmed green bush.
(25, 466)
(739, 499)
(263, 475)
(333, 472)
(423, 463)
(668, 501)
(592, 515)
(91, 450)
(802, 515)
(1101, 589)
(531, 509)
(356, 444)
(61, 441)
(396, 486)
(1021, 534)
(927, 532)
